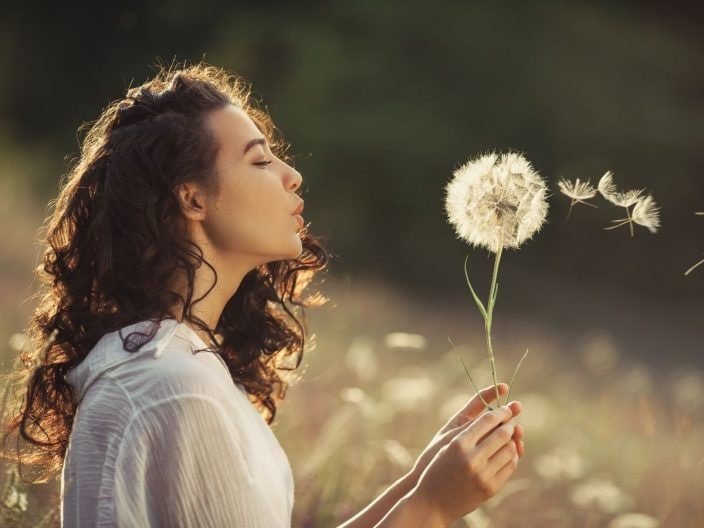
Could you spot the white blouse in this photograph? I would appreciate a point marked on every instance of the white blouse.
(164, 437)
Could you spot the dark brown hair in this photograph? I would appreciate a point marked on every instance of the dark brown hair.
(115, 243)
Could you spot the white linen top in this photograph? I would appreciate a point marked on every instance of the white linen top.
(164, 437)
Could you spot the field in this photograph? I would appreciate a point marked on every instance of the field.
(613, 438)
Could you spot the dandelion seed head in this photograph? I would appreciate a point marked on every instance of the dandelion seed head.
(496, 201)
(576, 190)
(646, 213)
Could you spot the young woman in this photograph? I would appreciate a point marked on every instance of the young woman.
(173, 251)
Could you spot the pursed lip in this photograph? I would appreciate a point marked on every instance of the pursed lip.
(299, 209)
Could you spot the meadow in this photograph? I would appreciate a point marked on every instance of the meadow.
(610, 440)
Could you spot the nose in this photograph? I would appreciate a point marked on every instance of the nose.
(294, 179)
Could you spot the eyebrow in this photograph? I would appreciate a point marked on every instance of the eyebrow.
(252, 143)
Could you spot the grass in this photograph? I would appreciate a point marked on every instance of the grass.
(607, 432)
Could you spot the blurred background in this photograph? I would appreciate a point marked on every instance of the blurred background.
(381, 101)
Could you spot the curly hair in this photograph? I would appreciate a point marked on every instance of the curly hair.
(115, 243)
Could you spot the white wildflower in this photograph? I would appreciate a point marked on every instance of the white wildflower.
(602, 494)
(496, 201)
(646, 213)
(634, 520)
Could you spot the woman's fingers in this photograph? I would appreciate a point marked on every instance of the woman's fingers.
(518, 440)
(515, 408)
(500, 458)
(497, 439)
(483, 426)
(505, 472)
(476, 405)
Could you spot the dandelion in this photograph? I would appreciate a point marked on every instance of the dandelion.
(602, 494)
(634, 520)
(644, 211)
(578, 191)
(495, 201)
(700, 213)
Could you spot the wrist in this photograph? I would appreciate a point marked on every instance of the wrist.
(422, 510)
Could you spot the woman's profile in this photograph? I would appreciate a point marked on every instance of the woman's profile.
(176, 261)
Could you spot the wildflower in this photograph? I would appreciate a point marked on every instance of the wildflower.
(578, 192)
(496, 201)
(644, 212)
(634, 520)
(602, 494)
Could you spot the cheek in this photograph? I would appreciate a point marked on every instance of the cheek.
(245, 224)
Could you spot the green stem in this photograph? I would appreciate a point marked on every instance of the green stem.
(488, 320)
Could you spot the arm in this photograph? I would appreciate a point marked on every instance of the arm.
(180, 464)
(398, 499)
(371, 515)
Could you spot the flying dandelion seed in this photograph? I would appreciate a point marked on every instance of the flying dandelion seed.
(578, 191)
(644, 211)
(495, 201)
(690, 270)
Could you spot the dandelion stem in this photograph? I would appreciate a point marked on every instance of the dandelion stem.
(690, 270)
(629, 220)
(488, 319)
(569, 211)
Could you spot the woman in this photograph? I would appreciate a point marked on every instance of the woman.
(174, 246)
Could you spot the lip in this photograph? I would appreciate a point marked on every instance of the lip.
(299, 209)
(300, 220)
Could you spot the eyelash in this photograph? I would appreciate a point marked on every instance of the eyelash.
(263, 163)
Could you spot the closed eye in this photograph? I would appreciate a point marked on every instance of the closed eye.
(262, 163)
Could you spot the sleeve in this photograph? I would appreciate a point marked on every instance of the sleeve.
(180, 464)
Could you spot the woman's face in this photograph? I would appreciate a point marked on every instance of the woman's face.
(251, 219)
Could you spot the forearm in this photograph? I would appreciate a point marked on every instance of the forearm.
(411, 512)
(382, 505)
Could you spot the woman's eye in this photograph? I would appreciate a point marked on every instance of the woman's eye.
(262, 163)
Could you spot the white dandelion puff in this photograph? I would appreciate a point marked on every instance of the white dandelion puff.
(578, 191)
(496, 201)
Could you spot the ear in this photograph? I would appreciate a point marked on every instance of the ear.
(191, 200)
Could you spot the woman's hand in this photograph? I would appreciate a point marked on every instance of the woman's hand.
(460, 421)
(469, 469)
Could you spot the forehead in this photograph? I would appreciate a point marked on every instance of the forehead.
(233, 128)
